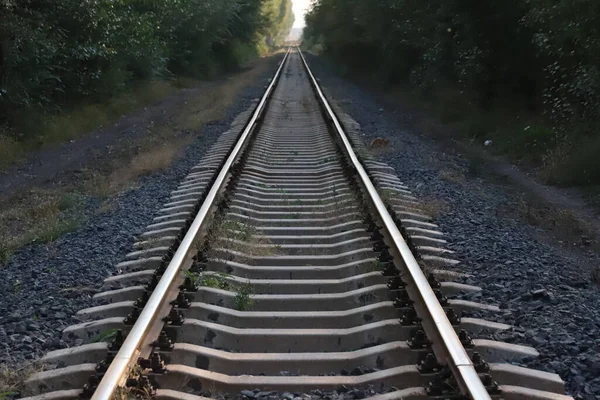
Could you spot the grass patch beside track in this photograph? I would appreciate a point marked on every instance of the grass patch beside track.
(12, 378)
(44, 214)
(36, 217)
(46, 129)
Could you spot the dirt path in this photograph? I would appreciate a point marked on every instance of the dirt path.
(56, 188)
(49, 164)
(63, 162)
(555, 197)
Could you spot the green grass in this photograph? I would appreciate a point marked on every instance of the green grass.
(106, 336)
(39, 129)
(238, 230)
(581, 165)
(5, 253)
(374, 266)
(8, 395)
(243, 297)
(39, 217)
(55, 229)
(243, 293)
(12, 378)
(592, 195)
(68, 201)
(216, 280)
(43, 215)
(10, 150)
(17, 286)
(565, 156)
(71, 123)
(44, 225)
(527, 143)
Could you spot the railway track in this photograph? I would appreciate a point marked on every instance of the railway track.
(290, 264)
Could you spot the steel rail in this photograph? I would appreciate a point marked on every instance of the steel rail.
(124, 359)
(459, 358)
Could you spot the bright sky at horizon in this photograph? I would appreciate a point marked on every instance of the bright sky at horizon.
(300, 8)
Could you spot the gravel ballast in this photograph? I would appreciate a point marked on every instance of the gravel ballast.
(42, 289)
(342, 393)
(546, 294)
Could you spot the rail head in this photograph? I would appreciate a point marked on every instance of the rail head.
(456, 354)
(127, 354)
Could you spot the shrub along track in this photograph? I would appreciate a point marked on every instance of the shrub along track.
(277, 271)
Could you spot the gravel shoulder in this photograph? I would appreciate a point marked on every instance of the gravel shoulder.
(546, 290)
(43, 286)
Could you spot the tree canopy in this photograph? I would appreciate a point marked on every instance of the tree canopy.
(541, 54)
(57, 51)
(540, 49)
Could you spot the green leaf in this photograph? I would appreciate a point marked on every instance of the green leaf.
(106, 336)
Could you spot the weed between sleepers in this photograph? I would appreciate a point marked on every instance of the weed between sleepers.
(218, 280)
(106, 336)
(243, 300)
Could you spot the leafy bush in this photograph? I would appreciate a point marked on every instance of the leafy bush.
(57, 52)
(542, 53)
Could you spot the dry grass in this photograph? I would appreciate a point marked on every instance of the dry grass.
(165, 140)
(387, 195)
(72, 124)
(129, 393)
(243, 239)
(48, 129)
(565, 226)
(427, 267)
(212, 104)
(433, 207)
(107, 206)
(97, 185)
(560, 155)
(12, 378)
(124, 175)
(452, 175)
(238, 240)
(35, 217)
(381, 150)
(562, 223)
(553, 161)
(10, 150)
(150, 161)
(555, 219)
(38, 215)
(45, 129)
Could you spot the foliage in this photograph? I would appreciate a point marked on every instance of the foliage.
(544, 54)
(106, 336)
(56, 52)
(280, 18)
(216, 280)
(243, 298)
